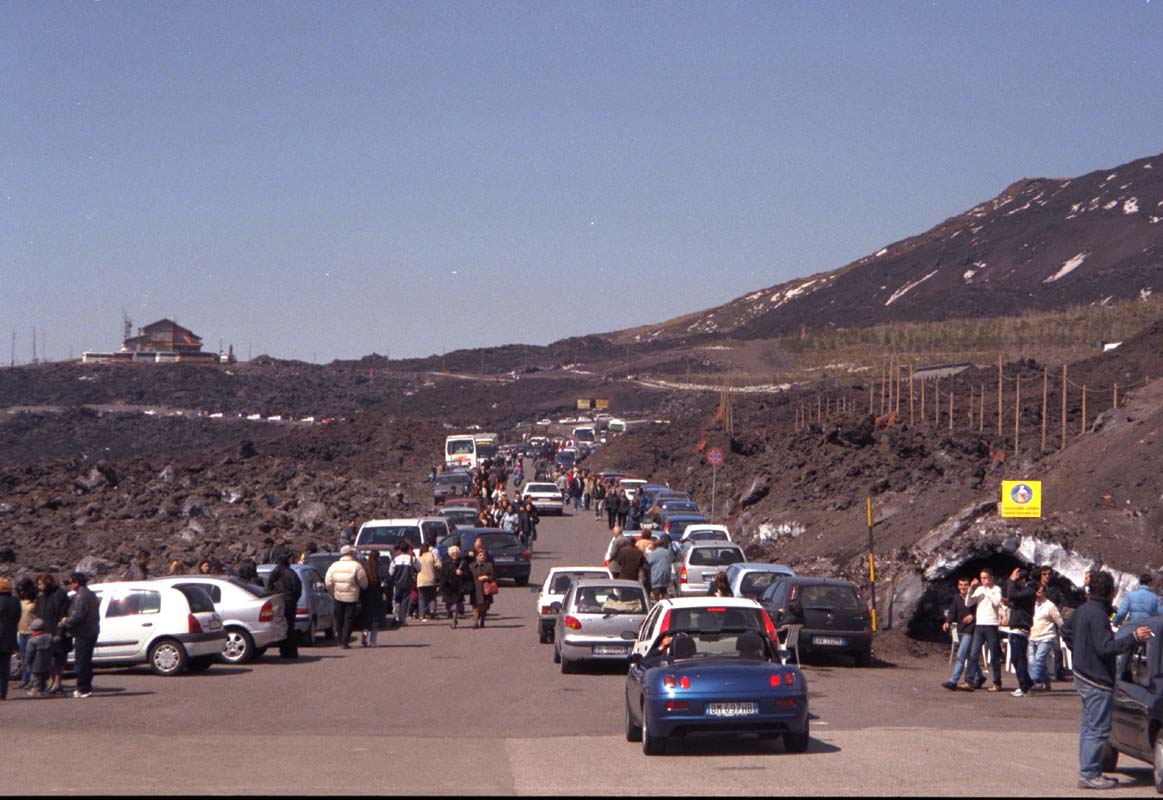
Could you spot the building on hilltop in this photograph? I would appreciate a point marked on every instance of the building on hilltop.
(161, 342)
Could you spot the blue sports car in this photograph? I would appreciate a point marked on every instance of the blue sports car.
(717, 683)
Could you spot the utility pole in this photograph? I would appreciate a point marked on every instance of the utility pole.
(34, 344)
(12, 359)
(249, 346)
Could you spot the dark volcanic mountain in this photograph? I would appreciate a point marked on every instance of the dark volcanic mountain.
(1043, 244)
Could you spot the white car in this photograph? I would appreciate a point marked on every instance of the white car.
(632, 485)
(553, 590)
(702, 613)
(252, 616)
(705, 532)
(598, 620)
(143, 622)
(546, 497)
(698, 562)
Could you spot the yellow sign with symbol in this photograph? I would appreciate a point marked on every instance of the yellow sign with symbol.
(1021, 499)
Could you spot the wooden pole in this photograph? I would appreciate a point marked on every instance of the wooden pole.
(870, 389)
(910, 394)
(828, 407)
(1115, 400)
(981, 416)
(883, 385)
(819, 411)
(922, 393)
(999, 395)
(1082, 428)
(936, 401)
(970, 409)
(896, 379)
(1017, 408)
(1045, 388)
(1063, 406)
(950, 412)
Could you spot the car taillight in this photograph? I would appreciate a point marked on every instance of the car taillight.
(267, 614)
(194, 625)
(671, 682)
(769, 626)
(788, 679)
(573, 623)
(525, 555)
(301, 610)
(682, 575)
(546, 610)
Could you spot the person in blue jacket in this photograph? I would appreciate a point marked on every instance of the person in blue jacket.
(1140, 604)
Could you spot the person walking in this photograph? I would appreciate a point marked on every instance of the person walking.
(1043, 636)
(284, 581)
(1019, 594)
(660, 561)
(10, 613)
(528, 524)
(345, 579)
(960, 617)
(721, 587)
(372, 605)
(177, 567)
(138, 569)
(403, 574)
(1094, 651)
(452, 584)
(428, 581)
(51, 604)
(623, 508)
(483, 573)
(1139, 604)
(26, 591)
(83, 623)
(611, 508)
(599, 498)
(985, 599)
(630, 561)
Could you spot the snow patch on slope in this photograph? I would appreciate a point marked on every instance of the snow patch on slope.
(908, 287)
(1131, 206)
(1067, 267)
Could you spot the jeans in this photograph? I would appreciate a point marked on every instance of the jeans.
(427, 601)
(963, 645)
(576, 502)
(1096, 726)
(599, 507)
(1038, 654)
(22, 640)
(402, 599)
(586, 501)
(83, 662)
(982, 635)
(1019, 643)
(344, 621)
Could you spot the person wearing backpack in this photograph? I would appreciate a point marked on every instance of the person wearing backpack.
(403, 574)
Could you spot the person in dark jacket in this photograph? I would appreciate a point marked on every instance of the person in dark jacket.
(630, 561)
(527, 523)
(138, 569)
(623, 508)
(1019, 594)
(284, 580)
(9, 621)
(634, 517)
(482, 570)
(451, 584)
(51, 604)
(1094, 651)
(84, 624)
(960, 617)
(372, 606)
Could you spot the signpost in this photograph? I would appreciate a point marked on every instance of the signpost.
(872, 569)
(1021, 499)
(714, 458)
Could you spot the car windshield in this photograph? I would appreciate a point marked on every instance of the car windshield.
(451, 480)
(562, 580)
(707, 536)
(499, 542)
(610, 600)
(754, 583)
(743, 645)
(584, 434)
(460, 447)
(486, 451)
(460, 516)
(542, 487)
(835, 598)
(715, 556)
(388, 534)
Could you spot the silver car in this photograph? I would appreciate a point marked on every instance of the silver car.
(252, 616)
(315, 610)
(699, 562)
(598, 620)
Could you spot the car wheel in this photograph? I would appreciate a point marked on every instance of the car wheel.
(797, 742)
(633, 732)
(542, 635)
(556, 656)
(331, 632)
(239, 646)
(1159, 762)
(200, 663)
(862, 660)
(522, 581)
(567, 666)
(167, 657)
(307, 637)
(1108, 758)
(651, 745)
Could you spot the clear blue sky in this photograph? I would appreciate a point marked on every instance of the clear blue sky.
(335, 178)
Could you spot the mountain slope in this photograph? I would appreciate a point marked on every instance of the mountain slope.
(1042, 244)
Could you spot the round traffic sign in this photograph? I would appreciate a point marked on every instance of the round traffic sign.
(715, 456)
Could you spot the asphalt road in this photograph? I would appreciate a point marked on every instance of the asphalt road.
(438, 711)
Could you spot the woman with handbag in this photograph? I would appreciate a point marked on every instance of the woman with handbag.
(484, 587)
(51, 604)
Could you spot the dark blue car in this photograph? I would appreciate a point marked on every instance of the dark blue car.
(728, 682)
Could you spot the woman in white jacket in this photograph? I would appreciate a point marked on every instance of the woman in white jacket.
(1043, 637)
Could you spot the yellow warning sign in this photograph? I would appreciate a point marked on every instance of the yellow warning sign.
(583, 403)
(1021, 499)
(601, 404)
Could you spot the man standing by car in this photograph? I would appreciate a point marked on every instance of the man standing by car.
(287, 583)
(84, 625)
(345, 579)
(138, 570)
(1095, 649)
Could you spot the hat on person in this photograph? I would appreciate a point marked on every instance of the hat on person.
(346, 549)
(37, 625)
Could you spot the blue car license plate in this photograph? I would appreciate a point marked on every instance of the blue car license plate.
(829, 641)
(732, 709)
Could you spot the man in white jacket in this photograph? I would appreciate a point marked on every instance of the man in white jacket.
(986, 596)
(345, 579)
(1043, 637)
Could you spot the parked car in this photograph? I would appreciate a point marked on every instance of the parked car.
(459, 517)
(321, 561)
(598, 620)
(724, 682)
(474, 503)
(1137, 716)
(452, 483)
(252, 615)
(315, 610)
(750, 579)
(821, 615)
(546, 497)
(675, 524)
(144, 622)
(553, 590)
(385, 534)
(671, 507)
(510, 558)
(697, 563)
(695, 613)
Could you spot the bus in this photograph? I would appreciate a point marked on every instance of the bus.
(486, 447)
(584, 433)
(460, 451)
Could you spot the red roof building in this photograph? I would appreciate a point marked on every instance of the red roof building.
(163, 336)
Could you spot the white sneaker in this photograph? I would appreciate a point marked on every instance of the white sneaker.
(79, 693)
(1017, 693)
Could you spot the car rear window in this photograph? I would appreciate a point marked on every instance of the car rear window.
(562, 580)
(500, 542)
(746, 645)
(836, 598)
(715, 556)
(197, 598)
(135, 601)
(708, 536)
(389, 534)
(610, 600)
(754, 583)
(541, 487)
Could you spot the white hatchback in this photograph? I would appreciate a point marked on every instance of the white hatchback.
(702, 613)
(553, 590)
(170, 629)
(546, 497)
(253, 617)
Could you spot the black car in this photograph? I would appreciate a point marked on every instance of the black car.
(1137, 718)
(509, 556)
(459, 517)
(455, 483)
(824, 615)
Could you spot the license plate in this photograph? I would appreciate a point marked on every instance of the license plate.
(503, 560)
(610, 649)
(732, 709)
(215, 624)
(829, 641)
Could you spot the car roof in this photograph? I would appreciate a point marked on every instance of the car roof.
(708, 601)
(556, 570)
(585, 583)
(399, 521)
(700, 544)
(808, 579)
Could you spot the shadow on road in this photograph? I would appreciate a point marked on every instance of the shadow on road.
(741, 746)
(1140, 777)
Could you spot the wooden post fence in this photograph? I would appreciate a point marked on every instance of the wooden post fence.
(1017, 408)
(1045, 387)
(1063, 406)
(981, 416)
(999, 395)
(950, 412)
(910, 394)
(1082, 429)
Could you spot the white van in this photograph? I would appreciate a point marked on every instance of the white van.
(460, 451)
(385, 534)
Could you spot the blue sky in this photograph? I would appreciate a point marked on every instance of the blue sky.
(325, 180)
